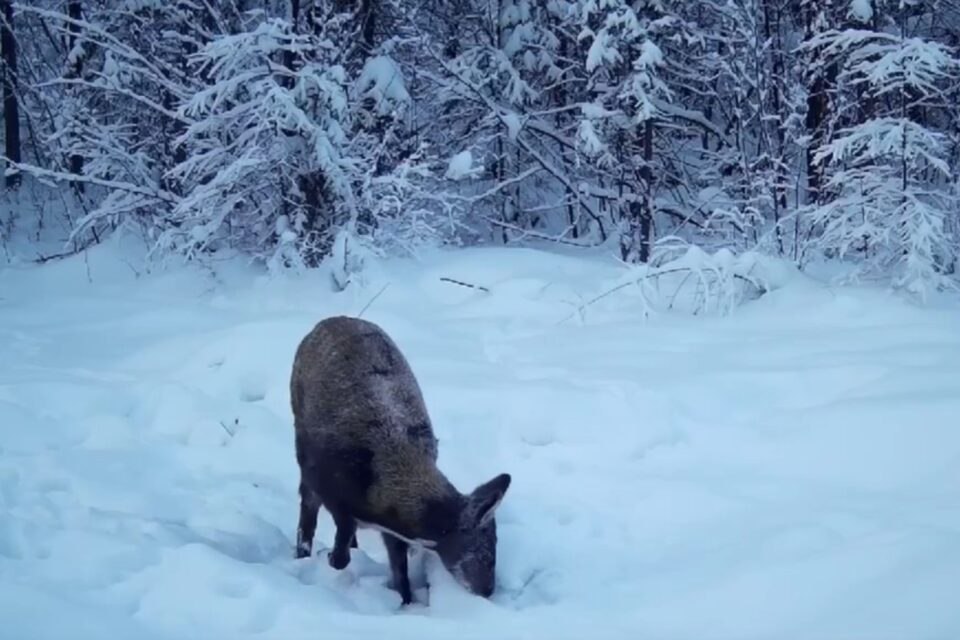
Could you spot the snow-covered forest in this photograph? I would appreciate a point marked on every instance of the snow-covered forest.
(686, 270)
(298, 130)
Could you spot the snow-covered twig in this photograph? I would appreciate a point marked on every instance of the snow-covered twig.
(372, 300)
(707, 287)
(465, 284)
(539, 236)
(114, 185)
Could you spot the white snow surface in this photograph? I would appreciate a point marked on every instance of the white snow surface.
(788, 471)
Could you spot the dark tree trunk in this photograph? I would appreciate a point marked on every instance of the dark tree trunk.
(816, 108)
(368, 18)
(288, 56)
(561, 96)
(11, 107)
(646, 174)
(816, 115)
(637, 238)
(822, 84)
(773, 25)
(315, 200)
(75, 70)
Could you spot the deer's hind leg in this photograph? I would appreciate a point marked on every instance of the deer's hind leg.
(310, 504)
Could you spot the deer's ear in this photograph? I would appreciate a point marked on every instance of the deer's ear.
(486, 498)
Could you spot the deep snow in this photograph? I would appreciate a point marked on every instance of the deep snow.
(790, 471)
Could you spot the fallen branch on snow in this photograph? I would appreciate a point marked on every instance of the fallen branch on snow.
(372, 300)
(465, 284)
(230, 432)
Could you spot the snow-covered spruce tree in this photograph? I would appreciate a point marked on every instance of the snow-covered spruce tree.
(888, 175)
(556, 131)
(105, 83)
(945, 25)
(820, 79)
(658, 124)
(505, 88)
(386, 98)
(624, 65)
(274, 167)
(748, 92)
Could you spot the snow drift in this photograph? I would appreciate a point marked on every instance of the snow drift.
(787, 471)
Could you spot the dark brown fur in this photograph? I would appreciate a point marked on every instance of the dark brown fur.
(367, 452)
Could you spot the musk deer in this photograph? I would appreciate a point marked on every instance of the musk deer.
(367, 452)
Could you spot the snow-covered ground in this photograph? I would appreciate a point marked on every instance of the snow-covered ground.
(790, 471)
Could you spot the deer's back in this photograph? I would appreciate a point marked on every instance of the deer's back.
(352, 386)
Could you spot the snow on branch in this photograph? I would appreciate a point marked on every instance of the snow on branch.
(694, 282)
